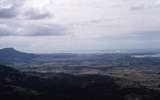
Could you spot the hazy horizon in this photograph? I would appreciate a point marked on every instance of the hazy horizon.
(118, 51)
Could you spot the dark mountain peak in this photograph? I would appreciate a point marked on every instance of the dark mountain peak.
(8, 49)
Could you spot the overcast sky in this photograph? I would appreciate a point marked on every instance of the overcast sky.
(79, 25)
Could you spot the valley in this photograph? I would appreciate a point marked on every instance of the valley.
(123, 76)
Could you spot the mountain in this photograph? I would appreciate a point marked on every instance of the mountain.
(10, 55)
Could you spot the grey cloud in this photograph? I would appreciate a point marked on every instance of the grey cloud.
(8, 9)
(12, 9)
(145, 4)
(35, 14)
(8, 12)
(32, 30)
(19, 25)
(5, 32)
(96, 22)
(44, 30)
(140, 7)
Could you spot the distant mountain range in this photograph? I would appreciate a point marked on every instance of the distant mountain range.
(70, 62)
(12, 56)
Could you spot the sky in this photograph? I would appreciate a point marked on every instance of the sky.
(48, 26)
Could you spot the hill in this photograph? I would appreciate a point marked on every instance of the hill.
(10, 55)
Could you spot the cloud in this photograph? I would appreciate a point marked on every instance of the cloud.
(20, 9)
(144, 4)
(17, 18)
(31, 30)
(5, 32)
(42, 30)
(8, 12)
(9, 9)
(81, 22)
(35, 14)
(139, 7)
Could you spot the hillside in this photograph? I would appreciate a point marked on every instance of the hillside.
(11, 55)
(50, 86)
